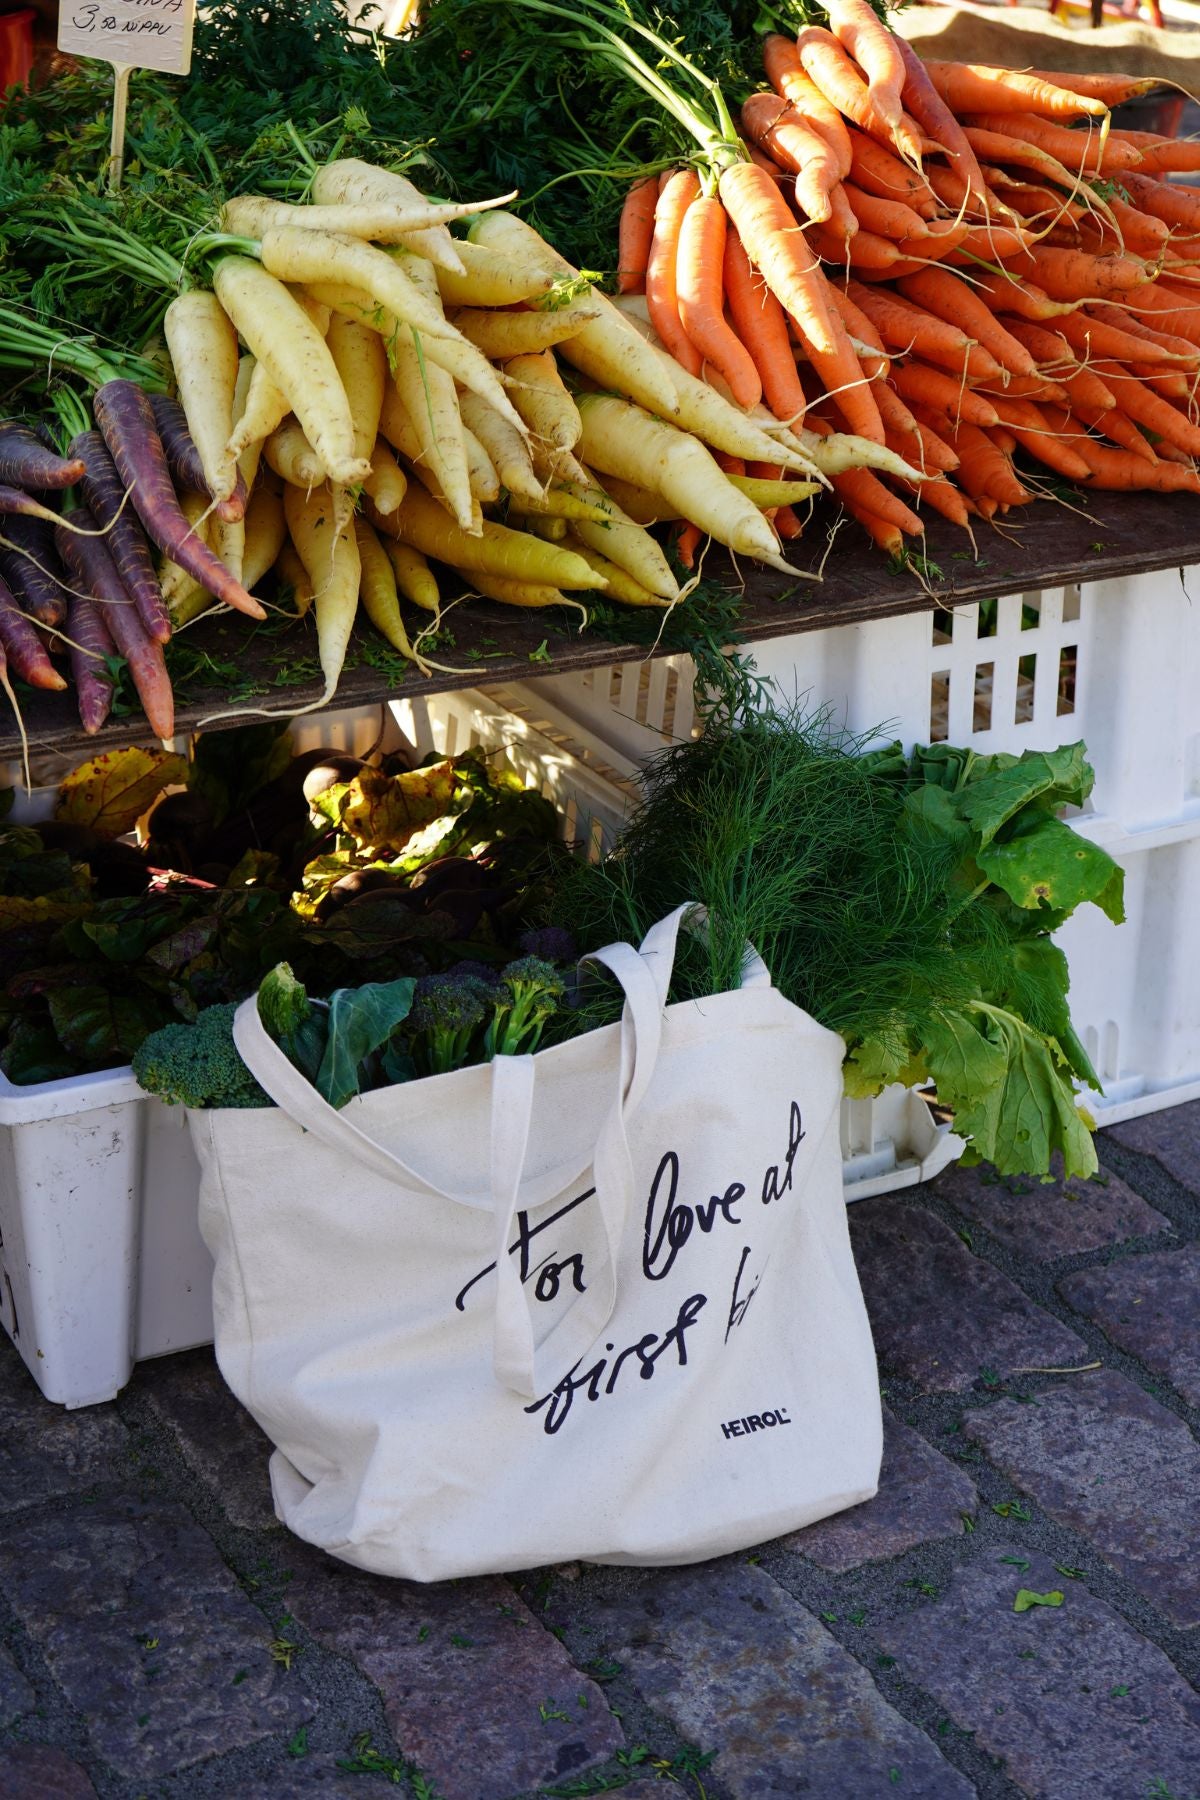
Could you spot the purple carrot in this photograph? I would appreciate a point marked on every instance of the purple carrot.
(12, 500)
(23, 647)
(94, 571)
(183, 458)
(91, 646)
(126, 418)
(25, 462)
(125, 539)
(29, 563)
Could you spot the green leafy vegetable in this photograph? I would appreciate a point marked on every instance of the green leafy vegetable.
(1026, 1598)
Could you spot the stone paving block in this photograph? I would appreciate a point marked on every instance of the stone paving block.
(1060, 1218)
(1101, 1456)
(39, 1772)
(940, 1314)
(216, 1435)
(1171, 1137)
(737, 1666)
(1078, 1704)
(148, 1634)
(921, 1497)
(1150, 1306)
(45, 1450)
(16, 1695)
(477, 1692)
(320, 1774)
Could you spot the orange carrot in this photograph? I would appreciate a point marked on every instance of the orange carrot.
(1091, 337)
(760, 323)
(699, 271)
(1167, 382)
(906, 327)
(787, 525)
(1049, 442)
(866, 251)
(1147, 408)
(1085, 152)
(887, 218)
(686, 545)
(776, 246)
(779, 128)
(1074, 275)
(1110, 90)
(1161, 155)
(1171, 308)
(785, 72)
(918, 383)
(1178, 207)
(976, 87)
(944, 498)
(1005, 293)
(991, 243)
(984, 469)
(886, 536)
(634, 235)
(662, 300)
(1180, 347)
(873, 47)
(937, 121)
(1119, 470)
(831, 71)
(872, 354)
(951, 299)
(1115, 426)
(880, 172)
(1025, 387)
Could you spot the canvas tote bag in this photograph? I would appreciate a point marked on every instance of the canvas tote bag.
(595, 1303)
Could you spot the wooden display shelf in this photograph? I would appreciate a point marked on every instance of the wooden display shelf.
(1046, 546)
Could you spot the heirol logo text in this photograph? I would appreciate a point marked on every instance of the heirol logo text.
(756, 1422)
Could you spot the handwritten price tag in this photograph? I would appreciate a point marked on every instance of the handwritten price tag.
(129, 34)
(138, 34)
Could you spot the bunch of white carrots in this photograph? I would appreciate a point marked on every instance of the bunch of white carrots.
(398, 384)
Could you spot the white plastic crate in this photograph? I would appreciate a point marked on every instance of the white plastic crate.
(101, 1260)
(1116, 663)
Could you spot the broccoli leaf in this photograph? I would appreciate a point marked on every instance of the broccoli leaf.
(361, 1020)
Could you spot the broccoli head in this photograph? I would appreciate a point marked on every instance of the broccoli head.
(447, 1011)
(197, 1064)
(530, 991)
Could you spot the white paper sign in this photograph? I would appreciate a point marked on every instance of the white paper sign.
(139, 34)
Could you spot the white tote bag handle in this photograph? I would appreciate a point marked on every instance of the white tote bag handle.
(644, 977)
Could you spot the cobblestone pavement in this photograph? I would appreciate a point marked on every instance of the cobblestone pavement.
(162, 1636)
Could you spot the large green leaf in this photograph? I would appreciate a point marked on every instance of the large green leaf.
(1036, 984)
(101, 1029)
(384, 812)
(1046, 866)
(1010, 1091)
(361, 1020)
(229, 767)
(1049, 779)
(112, 791)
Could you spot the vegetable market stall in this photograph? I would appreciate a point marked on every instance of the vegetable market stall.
(234, 668)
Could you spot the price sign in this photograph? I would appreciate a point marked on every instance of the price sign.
(129, 34)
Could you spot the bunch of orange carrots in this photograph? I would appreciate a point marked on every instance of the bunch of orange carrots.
(978, 266)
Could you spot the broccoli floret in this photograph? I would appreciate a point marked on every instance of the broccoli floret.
(198, 1064)
(447, 1011)
(531, 990)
